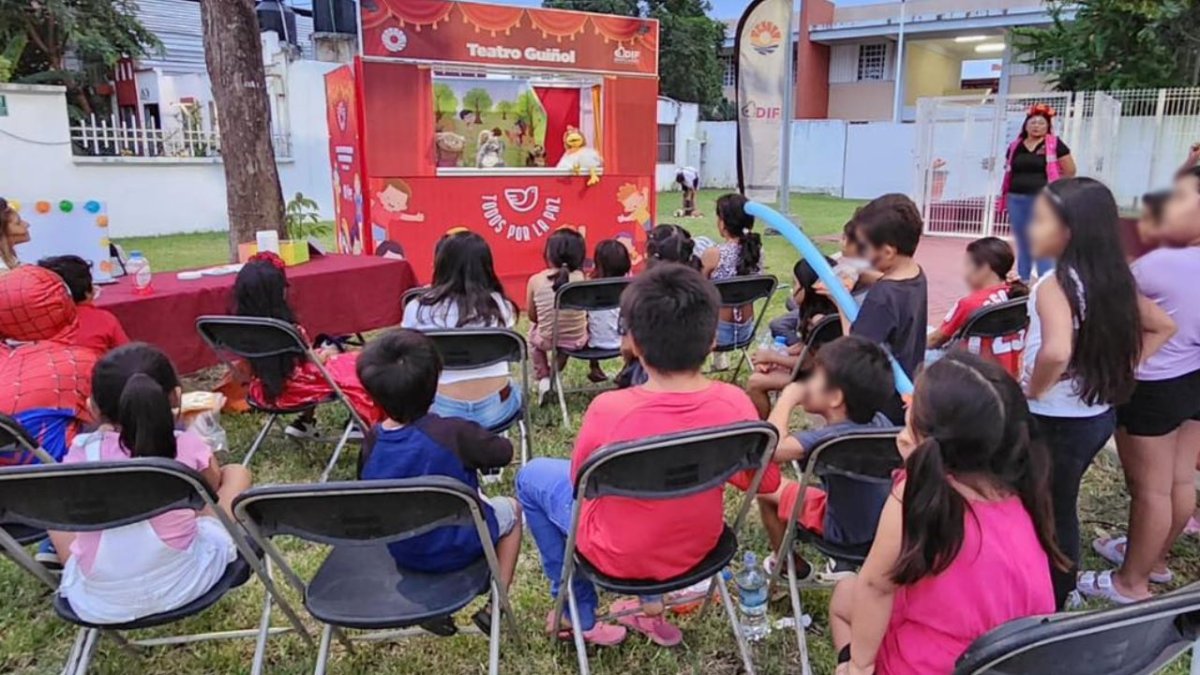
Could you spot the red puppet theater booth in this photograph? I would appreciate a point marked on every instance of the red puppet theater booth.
(460, 114)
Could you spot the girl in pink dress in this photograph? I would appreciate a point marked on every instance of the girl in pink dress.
(965, 542)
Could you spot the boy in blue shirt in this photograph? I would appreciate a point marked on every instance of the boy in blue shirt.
(400, 371)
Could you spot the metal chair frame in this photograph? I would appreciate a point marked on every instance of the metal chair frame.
(726, 302)
(563, 300)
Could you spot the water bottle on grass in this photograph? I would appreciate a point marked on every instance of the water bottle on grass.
(781, 345)
(139, 268)
(752, 599)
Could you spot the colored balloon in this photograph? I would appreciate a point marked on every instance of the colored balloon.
(92, 206)
(43, 207)
(816, 260)
(101, 221)
(14, 205)
(66, 206)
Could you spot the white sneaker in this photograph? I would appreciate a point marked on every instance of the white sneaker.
(543, 390)
(301, 429)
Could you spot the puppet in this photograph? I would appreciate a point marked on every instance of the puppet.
(578, 157)
(449, 148)
(491, 149)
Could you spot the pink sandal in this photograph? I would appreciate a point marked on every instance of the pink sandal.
(660, 631)
(601, 634)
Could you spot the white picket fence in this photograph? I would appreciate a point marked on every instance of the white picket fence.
(100, 137)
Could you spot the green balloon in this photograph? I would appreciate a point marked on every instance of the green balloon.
(66, 206)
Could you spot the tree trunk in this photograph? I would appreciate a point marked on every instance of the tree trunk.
(233, 54)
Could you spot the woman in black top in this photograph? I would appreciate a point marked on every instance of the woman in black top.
(1036, 158)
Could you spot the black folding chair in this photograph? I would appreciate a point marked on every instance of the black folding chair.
(855, 458)
(254, 337)
(589, 296)
(94, 496)
(359, 584)
(737, 292)
(827, 330)
(1007, 319)
(671, 466)
(469, 348)
(1136, 639)
(14, 536)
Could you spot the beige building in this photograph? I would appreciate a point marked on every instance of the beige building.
(845, 58)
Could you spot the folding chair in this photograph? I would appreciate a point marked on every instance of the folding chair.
(588, 296)
(827, 330)
(1136, 639)
(254, 337)
(468, 348)
(739, 291)
(855, 457)
(95, 496)
(359, 584)
(14, 536)
(1003, 319)
(671, 466)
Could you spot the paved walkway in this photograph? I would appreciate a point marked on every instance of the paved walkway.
(941, 258)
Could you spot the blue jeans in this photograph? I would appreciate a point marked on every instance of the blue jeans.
(730, 333)
(488, 412)
(547, 497)
(1020, 212)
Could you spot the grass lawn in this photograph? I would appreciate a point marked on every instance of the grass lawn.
(32, 640)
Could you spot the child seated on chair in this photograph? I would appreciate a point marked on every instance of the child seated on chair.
(773, 370)
(466, 293)
(565, 252)
(985, 270)
(611, 260)
(400, 370)
(741, 254)
(671, 314)
(291, 380)
(99, 329)
(849, 386)
(165, 562)
(966, 538)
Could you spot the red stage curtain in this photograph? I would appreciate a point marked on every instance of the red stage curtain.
(491, 18)
(398, 144)
(418, 13)
(630, 125)
(558, 24)
(619, 28)
(562, 110)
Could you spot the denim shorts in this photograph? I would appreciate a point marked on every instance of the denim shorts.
(505, 509)
(731, 334)
(488, 412)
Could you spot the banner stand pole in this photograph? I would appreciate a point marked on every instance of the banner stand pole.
(789, 111)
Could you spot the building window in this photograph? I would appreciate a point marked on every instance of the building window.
(872, 62)
(666, 144)
(1048, 67)
(729, 70)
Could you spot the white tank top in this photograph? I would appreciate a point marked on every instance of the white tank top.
(1061, 400)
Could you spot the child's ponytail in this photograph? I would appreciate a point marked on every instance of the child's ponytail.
(145, 418)
(565, 252)
(560, 276)
(731, 211)
(933, 516)
(750, 255)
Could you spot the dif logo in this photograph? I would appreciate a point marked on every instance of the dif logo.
(754, 111)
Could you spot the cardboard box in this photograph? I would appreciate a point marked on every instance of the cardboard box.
(293, 251)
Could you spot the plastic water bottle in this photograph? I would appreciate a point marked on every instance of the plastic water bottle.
(752, 599)
(765, 342)
(139, 268)
(780, 345)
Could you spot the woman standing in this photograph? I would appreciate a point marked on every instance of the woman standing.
(1088, 328)
(1036, 158)
(13, 231)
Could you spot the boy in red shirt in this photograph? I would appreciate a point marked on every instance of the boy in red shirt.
(670, 314)
(99, 330)
(989, 261)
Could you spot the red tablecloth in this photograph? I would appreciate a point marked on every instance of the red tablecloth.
(334, 294)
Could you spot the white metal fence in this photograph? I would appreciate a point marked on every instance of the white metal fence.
(101, 137)
(1134, 141)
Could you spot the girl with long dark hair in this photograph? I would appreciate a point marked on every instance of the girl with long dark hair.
(1087, 331)
(741, 254)
(611, 261)
(291, 380)
(671, 243)
(466, 293)
(123, 574)
(565, 253)
(967, 535)
(1035, 158)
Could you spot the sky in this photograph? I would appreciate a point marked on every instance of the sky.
(722, 9)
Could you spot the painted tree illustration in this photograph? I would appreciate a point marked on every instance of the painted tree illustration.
(504, 108)
(477, 101)
(445, 102)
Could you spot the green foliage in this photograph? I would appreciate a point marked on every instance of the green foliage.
(505, 108)
(529, 109)
(1116, 44)
(445, 102)
(724, 111)
(74, 43)
(10, 56)
(303, 219)
(689, 68)
(478, 101)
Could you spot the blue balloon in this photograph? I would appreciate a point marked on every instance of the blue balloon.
(816, 260)
(92, 206)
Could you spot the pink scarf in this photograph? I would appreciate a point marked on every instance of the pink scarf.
(1053, 170)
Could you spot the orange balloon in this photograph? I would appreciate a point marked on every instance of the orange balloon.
(43, 207)
(101, 221)
(106, 266)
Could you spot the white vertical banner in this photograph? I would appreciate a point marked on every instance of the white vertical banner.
(762, 49)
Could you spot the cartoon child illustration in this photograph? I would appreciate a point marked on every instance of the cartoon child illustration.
(636, 203)
(395, 197)
(390, 250)
(358, 206)
(628, 240)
